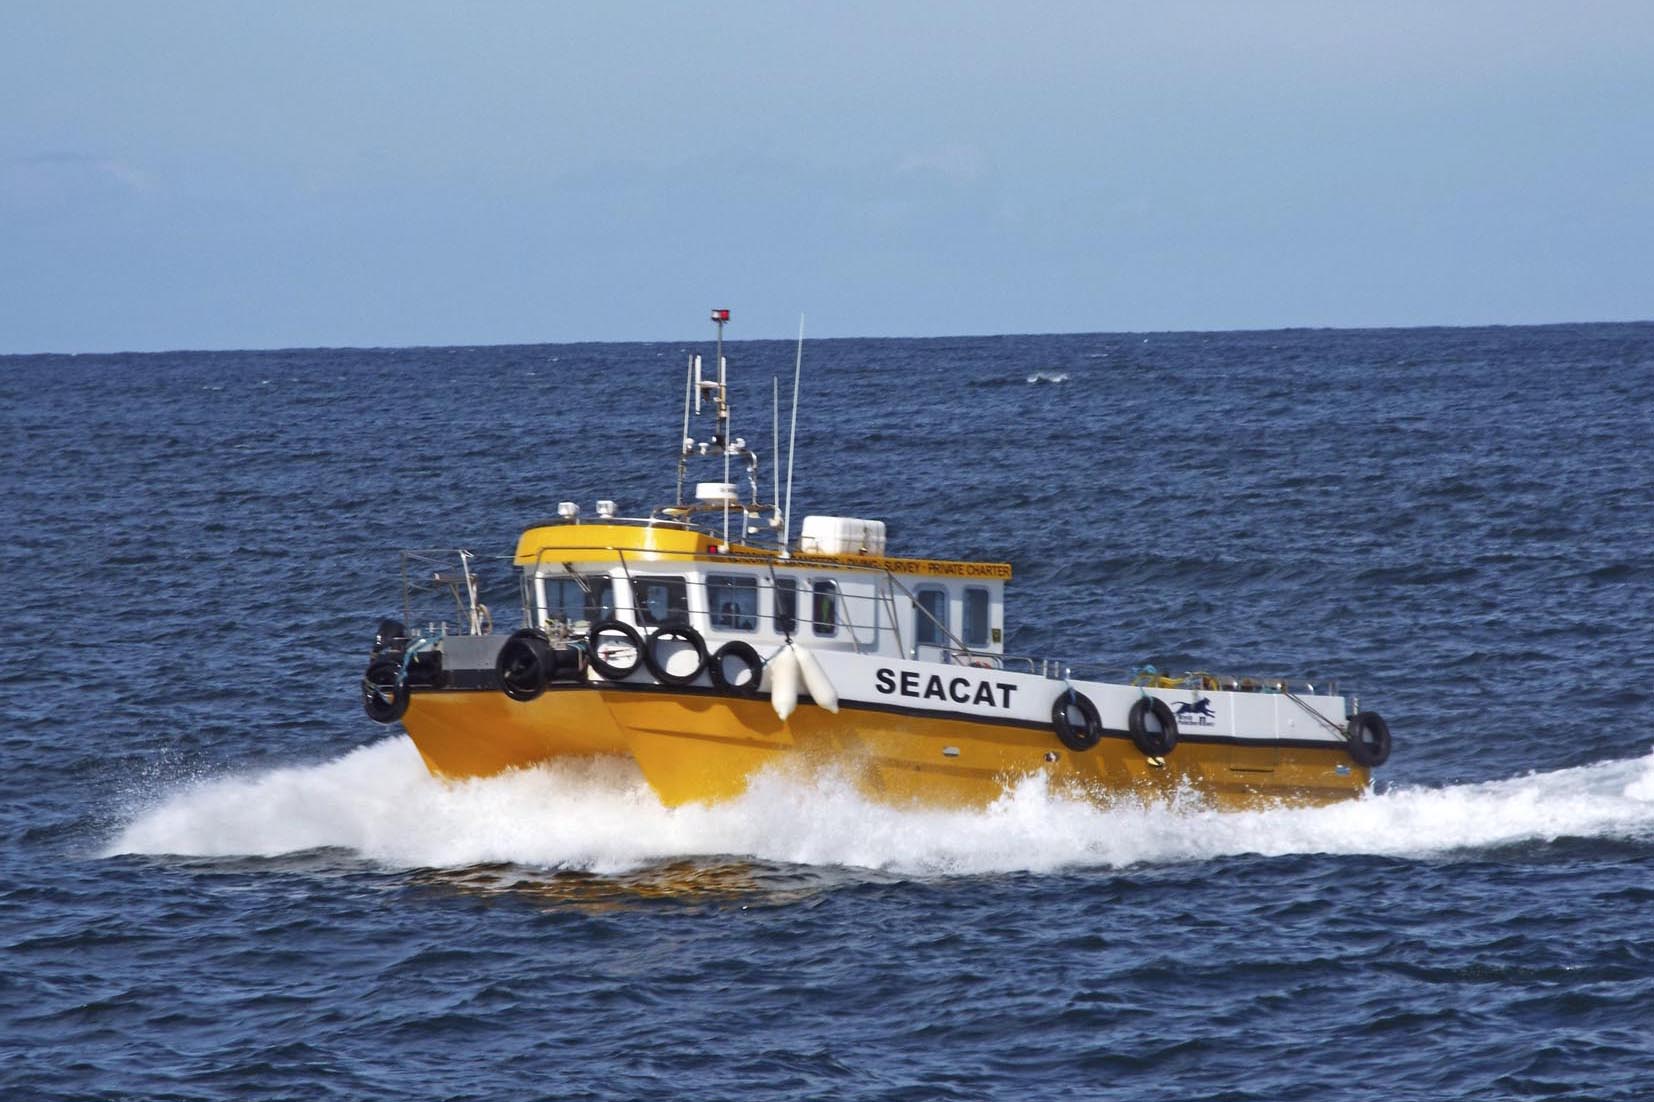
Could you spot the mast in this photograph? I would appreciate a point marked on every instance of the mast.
(723, 496)
(792, 438)
(685, 443)
(720, 436)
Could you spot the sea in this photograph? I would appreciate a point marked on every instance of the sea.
(220, 880)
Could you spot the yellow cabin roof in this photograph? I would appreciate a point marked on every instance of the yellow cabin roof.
(594, 543)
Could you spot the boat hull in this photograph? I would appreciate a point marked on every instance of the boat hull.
(697, 745)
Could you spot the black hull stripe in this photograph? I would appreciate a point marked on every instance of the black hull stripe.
(900, 710)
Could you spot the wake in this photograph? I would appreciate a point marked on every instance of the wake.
(599, 816)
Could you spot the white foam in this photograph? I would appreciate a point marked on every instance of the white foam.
(1048, 377)
(380, 803)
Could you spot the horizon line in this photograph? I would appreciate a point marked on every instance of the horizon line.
(793, 337)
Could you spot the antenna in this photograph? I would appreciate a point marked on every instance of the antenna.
(775, 438)
(792, 440)
(684, 440)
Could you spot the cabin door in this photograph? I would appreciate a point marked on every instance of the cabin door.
(930, 623)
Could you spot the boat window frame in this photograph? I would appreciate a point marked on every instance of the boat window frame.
(784, 623)
(641, 583)
(592, 588)
(987, 615)
(923, 624)
(819, 587)
(741, 620)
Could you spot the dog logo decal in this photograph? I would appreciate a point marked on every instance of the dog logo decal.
(1198, 714)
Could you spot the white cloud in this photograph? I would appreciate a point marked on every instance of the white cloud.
(43, 175)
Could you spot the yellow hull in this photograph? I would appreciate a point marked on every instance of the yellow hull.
(478, 734)
(699, 747)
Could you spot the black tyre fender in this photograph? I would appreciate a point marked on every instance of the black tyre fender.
(657, 667)
(613, 671)
(523, 665)
(1369, 739)
(1076, 738)
(384, 692)
(1155, 744)
(743, 653)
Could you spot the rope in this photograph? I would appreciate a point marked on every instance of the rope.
(423, 643)
(1319, 718)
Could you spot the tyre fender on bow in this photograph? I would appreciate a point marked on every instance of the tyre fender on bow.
(384, 690)
(523, 665)
(606, 664)
(742, 653)
(652, 656)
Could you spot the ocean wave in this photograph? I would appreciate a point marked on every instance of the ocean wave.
(599, 816)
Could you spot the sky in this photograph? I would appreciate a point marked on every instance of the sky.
(298, 174)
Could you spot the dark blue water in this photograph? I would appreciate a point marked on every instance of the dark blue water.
(219, 880)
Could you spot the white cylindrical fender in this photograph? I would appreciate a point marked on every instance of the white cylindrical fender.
(820, 687)
(782, 670)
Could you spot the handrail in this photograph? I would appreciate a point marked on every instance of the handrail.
(1204, 681)
(853, 624)
(1045, 667)
(958, 643)
(468, 610)
(884, 593)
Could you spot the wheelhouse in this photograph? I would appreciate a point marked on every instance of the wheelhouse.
(650, 574)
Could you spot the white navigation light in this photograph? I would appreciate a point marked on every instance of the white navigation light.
(606, 509)
(568, 510)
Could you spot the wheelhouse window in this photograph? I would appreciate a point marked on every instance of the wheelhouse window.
(588, 598)
(976, 616)
(931, 616)
(786, 605)
(824, 608)
(660, 600)
(732, 601)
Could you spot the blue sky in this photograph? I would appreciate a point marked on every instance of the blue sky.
(237, 175)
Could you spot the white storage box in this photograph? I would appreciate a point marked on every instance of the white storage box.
(718, 491)
(841, 536)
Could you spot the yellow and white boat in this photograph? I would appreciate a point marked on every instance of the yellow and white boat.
(707, 659)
